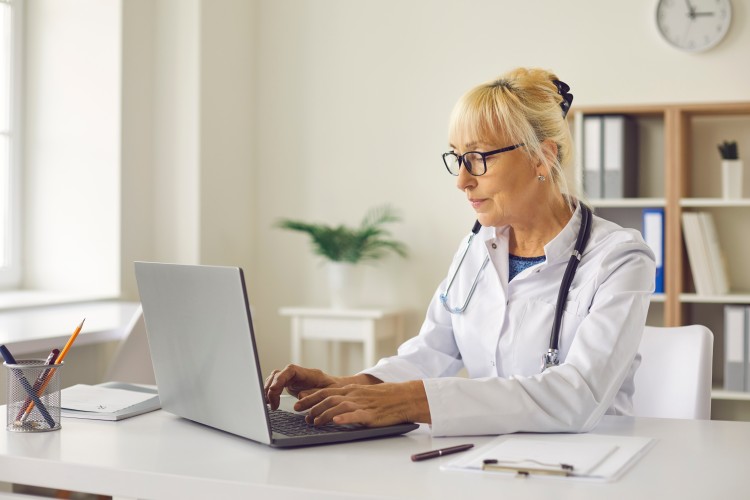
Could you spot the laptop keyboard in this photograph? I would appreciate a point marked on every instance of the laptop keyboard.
(293, 424)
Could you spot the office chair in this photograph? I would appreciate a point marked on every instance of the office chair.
(674, 379)
(132, 361)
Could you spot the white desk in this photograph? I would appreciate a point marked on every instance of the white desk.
(38, 329)
(365, 326)
(160, 456)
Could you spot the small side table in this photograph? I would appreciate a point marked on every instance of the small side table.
(366, 326)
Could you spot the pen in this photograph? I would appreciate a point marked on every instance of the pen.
(9, 359)
(494, 465)
(52, 371)
(439, 453)
(39, 380)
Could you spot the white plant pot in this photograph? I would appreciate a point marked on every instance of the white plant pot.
(731, 179)
(345, 283)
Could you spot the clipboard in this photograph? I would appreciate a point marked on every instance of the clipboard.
(579, 456)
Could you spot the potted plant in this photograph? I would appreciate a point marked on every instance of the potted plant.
(344, 248)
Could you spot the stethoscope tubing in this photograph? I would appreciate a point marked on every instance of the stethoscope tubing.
(570, 271)
(551, 358)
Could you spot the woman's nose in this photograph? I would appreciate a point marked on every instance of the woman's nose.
(465, 179)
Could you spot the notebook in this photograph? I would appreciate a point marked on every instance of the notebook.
(205, 357)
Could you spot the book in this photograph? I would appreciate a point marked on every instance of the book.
(716, 262)
(697, 253)
(108, 401)
(653, 234)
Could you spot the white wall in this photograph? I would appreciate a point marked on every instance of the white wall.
(138, 138)
(189, 80)
(354, 102)
(227, 137)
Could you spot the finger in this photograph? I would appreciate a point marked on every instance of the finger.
(277, 385)
(306, 393)
(325, 410)
(313, 398)
(268, 380)
(316, 410)
(356, 417)
(338, 407)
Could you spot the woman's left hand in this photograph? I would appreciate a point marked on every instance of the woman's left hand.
(370, 405)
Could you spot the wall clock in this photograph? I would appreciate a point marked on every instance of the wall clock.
(693, 25)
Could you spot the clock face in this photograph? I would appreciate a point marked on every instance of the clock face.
(693, 25)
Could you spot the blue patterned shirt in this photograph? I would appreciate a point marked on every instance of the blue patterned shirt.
(518, 264)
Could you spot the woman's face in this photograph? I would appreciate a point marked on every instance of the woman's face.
(509, 191)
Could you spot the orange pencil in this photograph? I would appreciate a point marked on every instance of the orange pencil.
(70, 342)
(64, 351)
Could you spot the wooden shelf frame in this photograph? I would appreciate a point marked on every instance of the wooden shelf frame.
(677, 120)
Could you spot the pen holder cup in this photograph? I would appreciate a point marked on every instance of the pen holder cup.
(731, 179)
(33, 396)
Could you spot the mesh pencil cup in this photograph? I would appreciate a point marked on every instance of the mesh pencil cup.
(33, 396)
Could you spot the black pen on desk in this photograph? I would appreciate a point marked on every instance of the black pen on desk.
(441, 452)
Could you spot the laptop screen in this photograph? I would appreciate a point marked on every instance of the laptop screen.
(202, 346)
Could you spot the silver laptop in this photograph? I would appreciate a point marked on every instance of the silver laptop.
(205, 358)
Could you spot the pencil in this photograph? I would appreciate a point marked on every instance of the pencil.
(59, 359)
(70, 341)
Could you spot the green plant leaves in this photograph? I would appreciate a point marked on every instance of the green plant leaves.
(369, 242)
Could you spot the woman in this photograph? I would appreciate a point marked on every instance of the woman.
(509, 142)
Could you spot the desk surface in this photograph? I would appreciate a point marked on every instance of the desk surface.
(158, 455)
(38, 329)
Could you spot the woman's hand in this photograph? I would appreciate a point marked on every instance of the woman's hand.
(298, 381)
(371, 405)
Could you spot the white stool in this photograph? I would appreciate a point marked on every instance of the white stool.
(366, 326)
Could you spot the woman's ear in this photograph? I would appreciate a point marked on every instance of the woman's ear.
(549, 149)
(549, 153)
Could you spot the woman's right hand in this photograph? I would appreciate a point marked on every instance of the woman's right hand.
(298, 381)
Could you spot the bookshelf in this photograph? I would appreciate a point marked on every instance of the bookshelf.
(679, 169)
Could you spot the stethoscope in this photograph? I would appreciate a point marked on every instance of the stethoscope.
(552, 356)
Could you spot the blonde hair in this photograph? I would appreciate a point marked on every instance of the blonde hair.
(523, 106)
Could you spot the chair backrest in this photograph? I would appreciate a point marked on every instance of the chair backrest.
(132, 361)
(674, 379)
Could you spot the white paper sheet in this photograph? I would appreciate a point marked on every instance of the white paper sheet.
(592, 456)
(97, 399)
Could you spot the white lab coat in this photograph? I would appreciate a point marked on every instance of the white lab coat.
(501, 336)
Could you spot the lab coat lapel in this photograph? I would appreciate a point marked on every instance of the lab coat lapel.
(494, 312)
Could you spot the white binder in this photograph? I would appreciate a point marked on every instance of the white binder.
(736, 348)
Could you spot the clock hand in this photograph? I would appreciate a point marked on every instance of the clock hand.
(691, 10)
(704, 14)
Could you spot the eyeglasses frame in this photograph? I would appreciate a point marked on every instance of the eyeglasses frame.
(462, 160)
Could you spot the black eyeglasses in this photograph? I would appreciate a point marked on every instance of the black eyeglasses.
(475, 162)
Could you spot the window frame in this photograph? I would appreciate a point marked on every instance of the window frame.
(10, 274)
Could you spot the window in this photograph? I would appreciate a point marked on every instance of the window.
(9, 142)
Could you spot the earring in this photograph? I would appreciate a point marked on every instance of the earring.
(541, 178)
